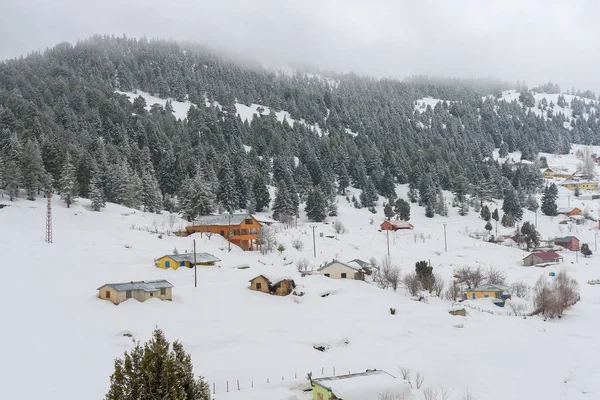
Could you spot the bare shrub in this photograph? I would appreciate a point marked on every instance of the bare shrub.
(298, 244)
(438, 284)
(302, 265)
(430, 393)
(405, 372)
(266, 239)
(552, 299)
(453, 291)
(390, 396)
(444, 394)
(390, 273)
(520, 289)
(495, 276)
(339, 227)
(419, 379)
(467, 395)
(517, 308)
(411, 283)
(473, 277)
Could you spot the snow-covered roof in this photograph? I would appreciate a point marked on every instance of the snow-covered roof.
(360, 263)
(545, 255)
(488, 287)
(264, 219)
(274, 281)
(223, 219)
(564, 239)
(363, 386)
(146, 286)
(189, 257)
(354, 267)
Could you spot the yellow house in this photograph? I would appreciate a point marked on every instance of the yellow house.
(489, 290)
(548, 173)
(175, 261)
(571, 185)
(364, 385)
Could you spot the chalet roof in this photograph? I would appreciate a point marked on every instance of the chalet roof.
(361, 263)
(564, 239)
(545, 255)
(399, 223)
(146, 286)
(488, 287)
(362, 386)
(567, 209)
(223, 219)
(354, 267)
(189, 257)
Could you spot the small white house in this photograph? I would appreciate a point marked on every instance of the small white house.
(339, 270)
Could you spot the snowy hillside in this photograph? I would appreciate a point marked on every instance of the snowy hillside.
(60, 333)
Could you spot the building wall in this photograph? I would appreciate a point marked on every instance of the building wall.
(336, 269)
(283, 288)
(320, 393)
(482, 295)
(264, 284)
(162, 263)
(242, 229)
(532, 260)
(114, 297)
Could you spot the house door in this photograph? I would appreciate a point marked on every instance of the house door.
(474, 296)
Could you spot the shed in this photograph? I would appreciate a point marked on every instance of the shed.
(277, 286)
(367, 385)
(139, 290)
(568, 242)
(542, 257)
(339, 270)
(395, 225)
(489, 290)
(174, 261)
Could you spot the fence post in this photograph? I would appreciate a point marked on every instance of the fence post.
(227, 386)
(214, 388)
(333, 371)
(238, 383)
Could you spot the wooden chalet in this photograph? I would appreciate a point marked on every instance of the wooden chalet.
(240, 229)
(277, 286)
(395, 225)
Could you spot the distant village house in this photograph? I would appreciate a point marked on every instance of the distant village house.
(570, 211)
(582, 185)
(395, 225)
(174, 261)
(240, 229)
(339, 270)
(568, 242)
(489, 290)
(140, 290)
(541, 258)
(548, 173)
(277, 286)
(361, 386)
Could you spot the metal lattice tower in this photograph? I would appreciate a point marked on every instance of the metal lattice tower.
(49, 218)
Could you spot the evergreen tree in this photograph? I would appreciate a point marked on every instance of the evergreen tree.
(402, 209)
(424, 271)
(531, 203)
(508, 220)
(68, 183)
(464, 208)
(429, 210)
(227, 192)
(196, 197)
(577, 192)
(549, 200)
(585, 250)
(530, 235)
(413, 195)
(495, 215)
(262, 196)
(35, 178)
(488, 226)
(96, 196)
(151, 195)
(485, 213)
(158, 370)
(511, 205)
(387, 186)
(368, 196)
(388, 211)
(132, 190)
(316, 205)
(283, 207)
(11, 176)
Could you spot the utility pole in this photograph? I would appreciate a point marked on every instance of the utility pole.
(496, 229)
(314, 241)
(229, 232)
(535, 219)
(445, 241)
(49, 217)
(577, 256)
(569, 200)
(195, 276)
(595, 241)
(387, 233)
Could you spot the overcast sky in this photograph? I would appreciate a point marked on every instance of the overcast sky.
(535, 41)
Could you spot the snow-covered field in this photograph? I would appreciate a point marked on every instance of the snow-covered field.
(61, 340)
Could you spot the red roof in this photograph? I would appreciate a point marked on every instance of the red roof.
(546, 255)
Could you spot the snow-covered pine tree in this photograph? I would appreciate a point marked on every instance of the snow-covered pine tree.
(196, 197)
(368, 196)
(283, 207)
(35, 177)
(67, 185)
(11, 176)
(227, 192)
(262, 197)
(152, 199)
(511, 204)
(96, 196)
(133, 190)
(316, 205)
(402, 209)
(549, 200)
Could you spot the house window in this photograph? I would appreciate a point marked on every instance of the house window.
(128, 294)
(222, 233)
(182, 264)
(327, 275)
(248, 221)
(151, 294)
(319, 396)
(167, 264)
(163, 291)
(258, 286)
(343, 275)
(107, 294)
(486, 296)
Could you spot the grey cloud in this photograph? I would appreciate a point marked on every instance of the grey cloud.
(535, 41)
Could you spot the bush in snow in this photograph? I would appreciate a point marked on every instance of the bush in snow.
(302, 265)
(411, 283)
(520, 289)
(156, 368)
(339, 227)
(266, 239)
(298, 244)
(551, 299)
(494, 276)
